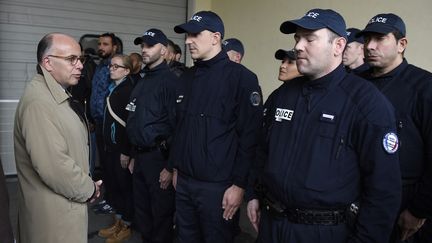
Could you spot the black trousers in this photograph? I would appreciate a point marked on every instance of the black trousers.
(199, 212)
(154, 207)
(424, 235)
(100, 144)
(119, 185)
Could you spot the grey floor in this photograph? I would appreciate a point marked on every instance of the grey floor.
(97, 222)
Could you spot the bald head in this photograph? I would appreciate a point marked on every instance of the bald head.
(60, 55)
(54, 40)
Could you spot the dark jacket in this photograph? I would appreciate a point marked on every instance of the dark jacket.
(324, 149)
(177, 68)
(101, 81)
(219, 111)
(151, 108)
(115, 137)
(409, 89)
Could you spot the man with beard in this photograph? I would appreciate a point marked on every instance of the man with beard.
(107, 47)
(175, 66)
(409, 89)
(150, 126)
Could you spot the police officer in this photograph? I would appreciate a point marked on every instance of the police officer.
(234, 49)
(409, 89)
(219, 113)
(149, 128)
(288, 68)
(330, 146)
(353, 56)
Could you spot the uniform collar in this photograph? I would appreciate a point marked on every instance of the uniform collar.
(163, 65)
(54, 87)
(208, 63)
(393, 73)
(326, 82)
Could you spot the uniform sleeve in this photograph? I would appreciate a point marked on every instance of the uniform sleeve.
(258, 163)
(169, 106)
(420, 205)
(48, 152)
(380, 175)
(247, 127)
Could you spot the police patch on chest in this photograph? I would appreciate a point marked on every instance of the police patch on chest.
(390, 143)
(131, 106)
(283, 114)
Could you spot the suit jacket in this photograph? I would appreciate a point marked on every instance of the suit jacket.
(52, 159)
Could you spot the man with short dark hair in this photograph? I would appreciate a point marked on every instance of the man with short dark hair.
(175, 66)
(177, 52)
(353, 56)
(107, 47)
(328, 166)
(52, 149)
(409, 89)
(218, 107)
(234, 49)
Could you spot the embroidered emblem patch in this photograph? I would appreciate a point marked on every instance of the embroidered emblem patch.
(255, 98)
(390, 143)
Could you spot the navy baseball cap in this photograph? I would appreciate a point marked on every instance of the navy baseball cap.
(233, 44)
(203, 20)
(282, 54)
(384, 24)
(317, 19)
(351, 33)
(151, 37)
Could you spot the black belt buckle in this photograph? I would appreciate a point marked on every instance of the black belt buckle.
(351, 214)
(275, 209)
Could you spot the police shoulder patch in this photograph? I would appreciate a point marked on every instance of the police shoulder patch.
(390, 142)
(255, 98)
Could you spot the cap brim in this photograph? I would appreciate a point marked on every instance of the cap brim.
(145, 39)
(378, 28)
(282, 54)
(290, 26)
(188, 28)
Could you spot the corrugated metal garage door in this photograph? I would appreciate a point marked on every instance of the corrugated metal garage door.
(24, 22)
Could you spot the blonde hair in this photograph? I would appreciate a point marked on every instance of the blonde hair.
(127, 62)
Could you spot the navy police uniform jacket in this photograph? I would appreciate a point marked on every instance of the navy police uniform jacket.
(409, 89)
(151, 108)
(219, 113)
(330, 142)
(114, 134)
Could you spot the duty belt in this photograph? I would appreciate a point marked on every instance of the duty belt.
(314, 216)
(309, 216)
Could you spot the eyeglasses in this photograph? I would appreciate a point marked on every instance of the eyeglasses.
(115, 66)
(72, 59)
